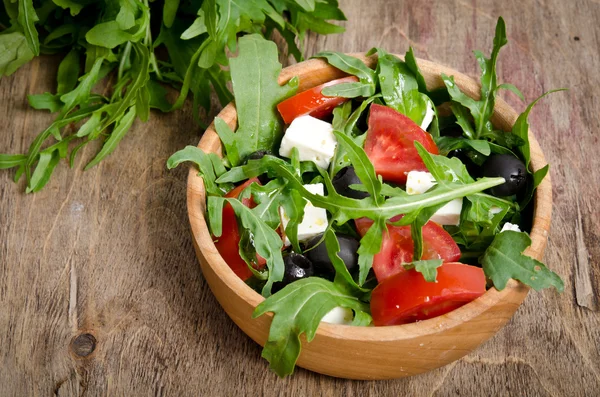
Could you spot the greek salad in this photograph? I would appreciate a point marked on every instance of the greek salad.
(368, 200)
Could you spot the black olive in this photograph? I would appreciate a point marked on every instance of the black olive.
(296, 267)
(508, 167)
(342, 181)
(259, 154)
(317, 254)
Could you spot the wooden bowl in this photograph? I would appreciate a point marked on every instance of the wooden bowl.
(372, 352)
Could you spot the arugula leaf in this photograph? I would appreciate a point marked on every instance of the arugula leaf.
(400, 88)
(27, 19)
(254, 75)
(521, 128)
(14, 52)
(68, 72)
(428, 268)
(12, 160)
(362, 166)
(298, 309)
(370, 245)
(504, 260)
(45, 101)
(345, 122)
(121, 128)
(342, 275)
(266, 240)
(438, 96)
(116, 35)
(207, 166)
(351, 65)
(482, 109)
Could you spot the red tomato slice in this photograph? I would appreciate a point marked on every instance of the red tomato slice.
(406, 297)
(228, 243)
(390, 144)
(312, 102)
(397, 246)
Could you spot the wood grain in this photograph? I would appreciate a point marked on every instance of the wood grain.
(108, 252)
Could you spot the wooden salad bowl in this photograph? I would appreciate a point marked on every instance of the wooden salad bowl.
(372, 352)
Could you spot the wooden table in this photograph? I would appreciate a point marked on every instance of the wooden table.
(108, 252)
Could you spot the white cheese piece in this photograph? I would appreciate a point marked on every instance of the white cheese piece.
(418, 182)
(315, 218)
(428, 117)
(510, 226)
(314, 139)
(339, 315)
(449, 214)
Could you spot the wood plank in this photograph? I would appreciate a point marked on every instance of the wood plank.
(108, 252)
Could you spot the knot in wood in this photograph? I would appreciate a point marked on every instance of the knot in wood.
(83, 345)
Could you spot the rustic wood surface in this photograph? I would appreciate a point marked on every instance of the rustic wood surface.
(101, 292)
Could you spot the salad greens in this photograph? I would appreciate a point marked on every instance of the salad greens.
(299, 307)
(125, 42)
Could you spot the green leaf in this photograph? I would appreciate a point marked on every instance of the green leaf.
(12, 160)
(27, 19)
(537, 178)
(298, 309)
(46, 101)
(68, 72)
(44, 168)
(400, 88)
(115, 137)
(504, 260)
(14, 52)
(362, 166)
(342, 275)
(428, 268)
(158, 96)
(521, 129)
(512, 88)
(267, 242)
(81, 93)
(197, 28)
(108, 34)
(126, 16)
(169, 12)
(482, 109)
(206, 166)
(350, 65)
(254, 74)
(142, 103)
(370, 245)
(74, 5)
(91, 125)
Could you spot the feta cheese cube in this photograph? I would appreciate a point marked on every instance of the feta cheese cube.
(339, 315)
(510, 226)
(419, 182)
(428, 117)
(314, 139)
(315, 218)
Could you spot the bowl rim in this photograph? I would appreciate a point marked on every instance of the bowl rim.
(504, 115)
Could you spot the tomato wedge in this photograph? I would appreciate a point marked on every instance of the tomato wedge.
(406, 297)
(312, 102)
(397, 246)
(228, 243)
(390, 144)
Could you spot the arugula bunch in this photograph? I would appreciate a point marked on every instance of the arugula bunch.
(124, 41)
(299, 307)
